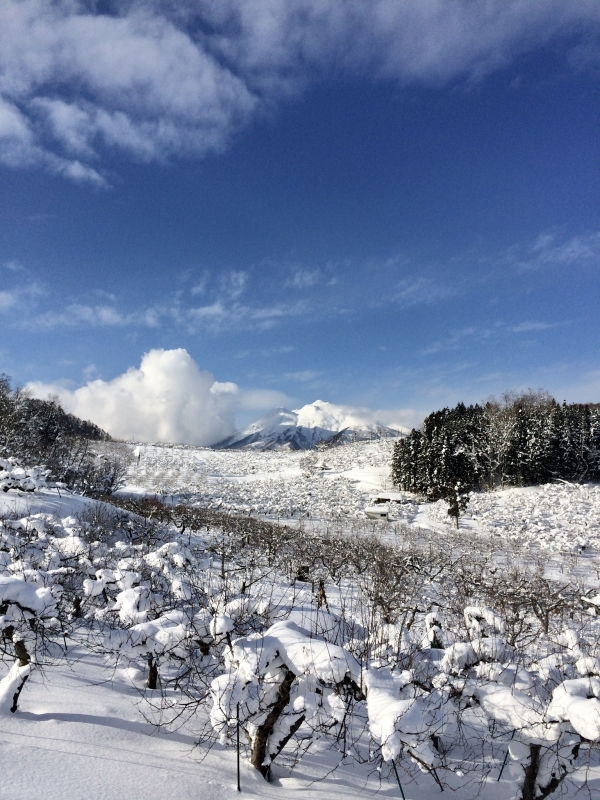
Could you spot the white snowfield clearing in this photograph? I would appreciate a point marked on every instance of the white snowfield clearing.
(339, 483)
(80, 734)
(278, 484)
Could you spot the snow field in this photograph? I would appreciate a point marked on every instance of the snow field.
(224, 623)
(279, 484)
(559, 517)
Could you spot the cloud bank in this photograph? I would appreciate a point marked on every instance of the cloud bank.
(167, 399)
(157, 78)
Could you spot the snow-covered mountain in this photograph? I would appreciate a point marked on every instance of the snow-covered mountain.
(304, 427)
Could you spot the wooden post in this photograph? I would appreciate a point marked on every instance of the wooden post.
(237, 717)
(505, 758)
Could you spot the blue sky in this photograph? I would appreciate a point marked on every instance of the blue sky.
(398, 209)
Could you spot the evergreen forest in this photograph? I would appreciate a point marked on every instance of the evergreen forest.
(521, 440)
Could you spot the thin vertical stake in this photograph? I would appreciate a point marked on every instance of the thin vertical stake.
(505, 758)
(398, 779)
(237, 717)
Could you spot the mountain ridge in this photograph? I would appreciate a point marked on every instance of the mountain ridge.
(303, 428)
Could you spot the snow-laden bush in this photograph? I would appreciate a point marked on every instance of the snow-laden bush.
(29, 601)
(281, 680)
(441, 660)
(25, 479)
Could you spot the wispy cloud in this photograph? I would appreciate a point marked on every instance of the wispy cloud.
(305, 278)
(548, 250)
(77, 83)
(76, 315)
(14, 266)
(234, 283)
(419, 291)
(469, 335)
(527, 327)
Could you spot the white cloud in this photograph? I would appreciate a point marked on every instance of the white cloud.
(78, 314)
(549, 251)
(528, 327)
(7, 300)
(160, 79)
(167, 399)
(305, 278)
(234, 283)
(18, 299)
(401, 419)
(264, 399)
(419, 291)
(14, 266)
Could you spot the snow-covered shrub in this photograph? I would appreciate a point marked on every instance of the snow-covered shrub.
(25, 479)
(29, 600)
(283, 679)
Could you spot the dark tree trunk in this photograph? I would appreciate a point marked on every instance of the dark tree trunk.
(23, 660)
(531, 772)
(152, 680)
(15, 702)
(22, 654)
(259, 746)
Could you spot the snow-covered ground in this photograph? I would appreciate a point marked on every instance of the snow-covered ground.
(337, 483)
(81, 734)
(279, 484)
(84, 729)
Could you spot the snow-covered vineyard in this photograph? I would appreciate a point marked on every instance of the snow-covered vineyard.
(403, 664)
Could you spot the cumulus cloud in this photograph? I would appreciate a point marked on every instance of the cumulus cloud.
(156, 79)
(167, 399)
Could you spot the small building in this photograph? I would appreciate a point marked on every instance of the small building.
(378, 511)
(387, 497)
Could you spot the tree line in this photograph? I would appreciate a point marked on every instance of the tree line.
(41, 432)
(520, 440)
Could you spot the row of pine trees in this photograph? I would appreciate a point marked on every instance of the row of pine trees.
(520, 440)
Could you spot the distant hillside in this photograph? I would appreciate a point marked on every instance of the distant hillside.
(37, 432)
(305, 427)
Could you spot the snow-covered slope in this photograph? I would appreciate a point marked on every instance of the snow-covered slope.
(304, 427)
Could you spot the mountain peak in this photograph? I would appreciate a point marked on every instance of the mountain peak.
(303, 428)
